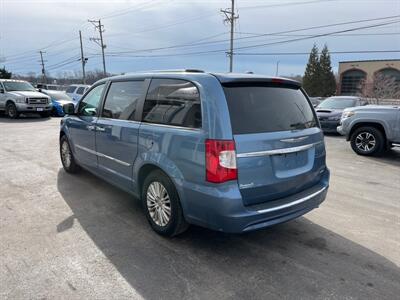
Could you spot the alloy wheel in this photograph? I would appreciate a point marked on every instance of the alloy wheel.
(365, 141)
(66, 154)
(158, 203)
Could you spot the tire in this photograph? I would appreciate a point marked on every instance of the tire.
(69, 164)
(45, 114)
(159, 186)
(11, 111)
(368, 141)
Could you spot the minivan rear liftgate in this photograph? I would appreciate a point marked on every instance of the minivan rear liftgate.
(279, 146)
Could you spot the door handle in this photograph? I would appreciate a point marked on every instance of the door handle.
(90, 127)
(102, 129)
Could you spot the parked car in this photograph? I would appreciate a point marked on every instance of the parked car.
(330, 110)
(58, 99)
(230, 152)
(315, 101)
(45, 86)
(76, 91)
(18, 96)
(371, 129)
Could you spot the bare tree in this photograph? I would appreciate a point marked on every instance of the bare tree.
(382, 87)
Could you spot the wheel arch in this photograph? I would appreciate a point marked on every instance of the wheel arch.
(376, 125)
(170, 170)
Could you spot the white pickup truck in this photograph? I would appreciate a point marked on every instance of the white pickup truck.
(18, 96)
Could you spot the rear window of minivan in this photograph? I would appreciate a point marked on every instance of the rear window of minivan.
(257, 108)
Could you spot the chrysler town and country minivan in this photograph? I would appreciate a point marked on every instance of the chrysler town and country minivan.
(230, 152)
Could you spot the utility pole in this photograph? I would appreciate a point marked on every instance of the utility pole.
(43, 69)
(230, 18)
(83, 59)
(99, 41)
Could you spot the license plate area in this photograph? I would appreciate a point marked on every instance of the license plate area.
(39, 109)
(292, 164)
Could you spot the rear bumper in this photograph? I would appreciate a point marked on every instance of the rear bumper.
(224, 211)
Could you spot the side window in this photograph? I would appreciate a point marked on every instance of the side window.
(88, 106)
(70, 89)
(80, 90)
(122, 100)
(172, 102)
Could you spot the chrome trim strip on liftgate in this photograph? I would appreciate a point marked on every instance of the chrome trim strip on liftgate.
(277, 151)
(298, 201)
(103, 155)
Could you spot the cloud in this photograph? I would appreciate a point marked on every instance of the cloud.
(27, 26)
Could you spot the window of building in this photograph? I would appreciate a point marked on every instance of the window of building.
(352, 81)
(173, 102)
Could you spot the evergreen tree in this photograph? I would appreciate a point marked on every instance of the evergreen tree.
(328, 81)
(311, 78)
(4, 74)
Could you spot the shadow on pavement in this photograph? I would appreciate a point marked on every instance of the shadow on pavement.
(299, 259)
(23, 118)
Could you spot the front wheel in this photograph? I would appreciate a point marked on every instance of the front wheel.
(162, 206)
(11, 111)
(367, 141)
(67, 158)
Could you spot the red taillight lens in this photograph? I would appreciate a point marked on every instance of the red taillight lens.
(220, 161)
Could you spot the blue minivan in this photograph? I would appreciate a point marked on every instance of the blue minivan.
(230, 152)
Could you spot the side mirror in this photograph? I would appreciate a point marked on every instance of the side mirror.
(69, 109)
(1, 91)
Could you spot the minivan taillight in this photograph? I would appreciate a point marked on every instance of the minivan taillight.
(220, 161)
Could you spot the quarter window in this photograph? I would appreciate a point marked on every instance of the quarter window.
(71, 89)
(122, 98)
(173, 102)
(80, 90)
(88, 106)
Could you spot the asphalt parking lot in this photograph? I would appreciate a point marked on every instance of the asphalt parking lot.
(76, 237)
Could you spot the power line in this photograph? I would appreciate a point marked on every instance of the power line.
(308, 53)
(193, 44)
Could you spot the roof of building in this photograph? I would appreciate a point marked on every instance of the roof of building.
(370, 60)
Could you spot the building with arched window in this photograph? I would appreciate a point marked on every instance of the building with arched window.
(354, 74)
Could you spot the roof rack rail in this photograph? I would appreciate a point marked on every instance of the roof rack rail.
(176, 70)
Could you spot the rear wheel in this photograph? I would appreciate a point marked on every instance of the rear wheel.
(67, 158)
(367, 141)
(162, 206)
(11, 111)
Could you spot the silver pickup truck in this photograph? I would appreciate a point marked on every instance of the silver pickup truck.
(18, 96)
(371, 129)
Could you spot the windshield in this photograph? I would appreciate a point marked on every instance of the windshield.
(337, 103)
(257, 109)
(18, 86)
(59, 96)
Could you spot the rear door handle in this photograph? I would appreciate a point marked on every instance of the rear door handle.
(102, 129)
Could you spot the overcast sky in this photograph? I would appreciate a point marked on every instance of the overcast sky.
(133, 28)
